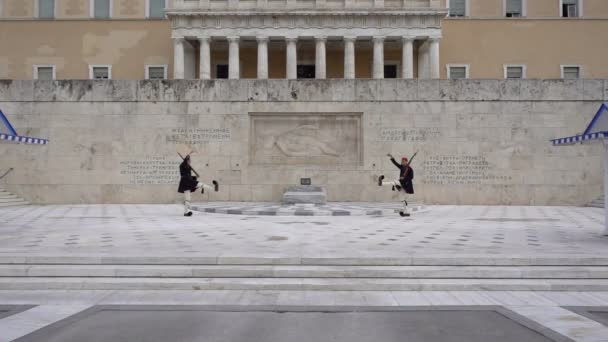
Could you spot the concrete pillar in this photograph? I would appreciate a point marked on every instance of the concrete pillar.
(378, 67)
(349, 57)
(178, 58)
(292, 58)
(262, 57)
(434, 53)
(320, 65)
(407, 58)
(606, 186)
(204, 58)
(233, 58)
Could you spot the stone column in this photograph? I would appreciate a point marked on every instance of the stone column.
(349, 57)
(378, 67)
(292, 57)
(407, 58)
(434, 53)
(233, 58)
(178, 58)
(605, 186)
(262, 57)
(204, 58)
(320, 65)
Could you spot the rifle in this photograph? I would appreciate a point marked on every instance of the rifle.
(412, 158)
(409, 162)
(191, 168)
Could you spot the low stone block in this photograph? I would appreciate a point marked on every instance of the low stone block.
(551, 90)
(397, 90)
(181, 90)
(366, 90)
(257, 90)
(307, 194)
(593, 90)
(428, 90)
(114, 90)
(509, 90)
(16, 90)
(278, 90)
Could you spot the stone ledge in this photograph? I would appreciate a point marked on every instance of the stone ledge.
(280, 90)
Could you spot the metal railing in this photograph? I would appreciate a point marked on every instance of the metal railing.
(6, 173)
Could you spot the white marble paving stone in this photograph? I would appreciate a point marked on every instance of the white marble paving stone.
(565, 322)
(28, 321)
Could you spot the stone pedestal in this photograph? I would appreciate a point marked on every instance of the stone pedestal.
(305, 194)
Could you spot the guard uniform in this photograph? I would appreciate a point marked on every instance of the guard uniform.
(406, 176)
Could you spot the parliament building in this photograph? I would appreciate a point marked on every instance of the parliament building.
(297, 39)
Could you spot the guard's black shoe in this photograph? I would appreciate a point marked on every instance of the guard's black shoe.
(202, 189)
(216, 185)
(393, 188)
(380, 179)
(398, 187)
(188, 214)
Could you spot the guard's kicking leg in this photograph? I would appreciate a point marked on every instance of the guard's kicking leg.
(203, 186)
(394, 184)
(187, 198)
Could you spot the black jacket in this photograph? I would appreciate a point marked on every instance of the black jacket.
(187, 181)
(406, 175)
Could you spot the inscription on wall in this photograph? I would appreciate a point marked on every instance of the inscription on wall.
(409, 134)
(151, 170)
(460, 169)
(196, 136)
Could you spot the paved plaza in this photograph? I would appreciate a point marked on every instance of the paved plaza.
(530, 273)
(151, 230)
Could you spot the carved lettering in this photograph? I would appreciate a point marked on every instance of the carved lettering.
(151, 170)
(460, 169)
(196, 136)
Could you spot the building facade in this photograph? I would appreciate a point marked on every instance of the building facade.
(292, 39)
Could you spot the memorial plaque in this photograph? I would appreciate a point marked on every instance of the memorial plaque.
(306, 138)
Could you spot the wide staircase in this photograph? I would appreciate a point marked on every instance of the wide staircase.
(330, 274)
(9, 200)
(597, 203)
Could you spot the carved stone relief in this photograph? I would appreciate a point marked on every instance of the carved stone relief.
(306, 138)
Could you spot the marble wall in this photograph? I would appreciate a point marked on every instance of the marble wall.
(478, 141)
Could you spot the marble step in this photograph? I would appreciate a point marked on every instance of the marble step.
(597, 203)
(422, 260)
(7, 199)
(14, 203)
(10, 198)
(295, 271)
(302, 284)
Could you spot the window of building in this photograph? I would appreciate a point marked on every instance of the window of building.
(306, 71)
(571, 8)
(100, 72)
(515, 71)
(514, 8)
(46, 9)
(221, 71)
(156, 72)
(456, 72)
(155, 8)
(390, 70)
(101, 9)
(571, 72)
(458, 8)
(44, 72)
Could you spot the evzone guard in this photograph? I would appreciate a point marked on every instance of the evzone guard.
(189, 183)
(404, 184)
